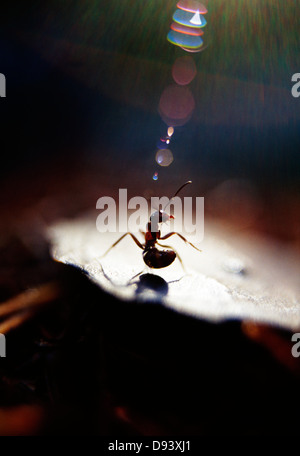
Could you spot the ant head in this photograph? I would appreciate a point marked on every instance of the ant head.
(165, 217)
(160, 217)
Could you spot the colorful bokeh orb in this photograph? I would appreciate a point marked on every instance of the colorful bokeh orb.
(186, 28)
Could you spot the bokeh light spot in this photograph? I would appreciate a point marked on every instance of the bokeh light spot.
(176, 105)
(182, 40)
(184, 70)
(196, 19)
(193, 51)
(186, 28)
(194, 31)
(164, 157)
(163, 142)
(170, 131)
(185, 18)
(192, 6)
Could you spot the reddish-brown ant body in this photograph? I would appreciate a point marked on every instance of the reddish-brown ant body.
(153, 257)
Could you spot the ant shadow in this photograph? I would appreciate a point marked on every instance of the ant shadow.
(152, 283)
(149, 286)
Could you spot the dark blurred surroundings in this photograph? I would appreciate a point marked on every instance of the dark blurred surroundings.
(80, 120)
(83, 88)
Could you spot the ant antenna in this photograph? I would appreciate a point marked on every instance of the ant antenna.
(179, 190)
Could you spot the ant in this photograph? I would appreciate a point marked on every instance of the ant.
(153, 257)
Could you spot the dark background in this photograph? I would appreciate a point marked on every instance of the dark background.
(81, 120)
(84, 81)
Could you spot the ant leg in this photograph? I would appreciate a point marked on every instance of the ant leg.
(104, 273)
(109, 279)
(181, 237)
(177, 254)
(135, 276)
(120, 239)
(165, 246)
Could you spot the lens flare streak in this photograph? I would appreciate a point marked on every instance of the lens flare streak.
(186, 28)
(192, 6)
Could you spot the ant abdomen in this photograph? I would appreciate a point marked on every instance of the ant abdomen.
(158, 259)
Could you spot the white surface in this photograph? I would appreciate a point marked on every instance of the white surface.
(267, 291)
